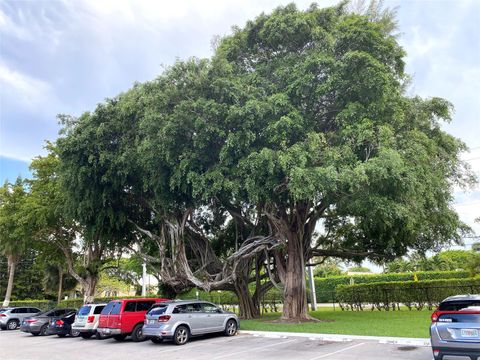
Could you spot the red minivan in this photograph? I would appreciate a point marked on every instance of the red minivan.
(121, 318)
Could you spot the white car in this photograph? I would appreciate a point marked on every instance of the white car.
(87, 320)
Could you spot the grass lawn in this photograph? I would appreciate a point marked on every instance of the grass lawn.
(403, 323)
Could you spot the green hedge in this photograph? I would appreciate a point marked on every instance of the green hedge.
(70, 303)
(412, 294)
(41, 304)
(326, 287)
(78, 302)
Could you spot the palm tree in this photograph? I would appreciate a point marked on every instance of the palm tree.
(14, 235)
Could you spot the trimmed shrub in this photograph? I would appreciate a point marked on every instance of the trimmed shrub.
(41, 304)
(69, 303)
(412, 294)
(326, 287)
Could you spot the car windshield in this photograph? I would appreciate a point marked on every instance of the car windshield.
(112, 308)
(457, 305)
(116, 308)
(106, 310)
(158, 310)
(84, 310)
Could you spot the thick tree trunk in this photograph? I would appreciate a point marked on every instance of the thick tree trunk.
(248, 309)
(89, 285)
(60, 285)
(12, 263)
(295, 291)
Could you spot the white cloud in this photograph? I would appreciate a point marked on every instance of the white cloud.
(467, 203)
(10, 27)
(29, 91)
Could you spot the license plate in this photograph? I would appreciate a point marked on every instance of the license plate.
(150, 322)
(469, 333)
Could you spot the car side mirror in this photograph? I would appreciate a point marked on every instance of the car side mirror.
(220, 311)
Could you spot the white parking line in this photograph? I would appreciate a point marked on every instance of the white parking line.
(336, 352)
(203, 343)
(253, 349)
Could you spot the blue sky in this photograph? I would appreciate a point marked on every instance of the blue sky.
(65, 57)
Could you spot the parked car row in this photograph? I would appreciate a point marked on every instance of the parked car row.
(156, 319)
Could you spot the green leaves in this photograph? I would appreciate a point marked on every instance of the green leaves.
(300, 112)
(15, 234)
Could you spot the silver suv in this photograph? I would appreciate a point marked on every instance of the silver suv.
(455, 328)
(11, 318)
(179, 320)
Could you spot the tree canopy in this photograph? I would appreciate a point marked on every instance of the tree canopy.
(298, 129)
(295, 140)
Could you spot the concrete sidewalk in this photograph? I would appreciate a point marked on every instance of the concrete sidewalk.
(422, 342)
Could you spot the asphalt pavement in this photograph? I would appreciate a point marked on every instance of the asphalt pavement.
(15, 345)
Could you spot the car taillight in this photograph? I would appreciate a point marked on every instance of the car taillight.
(3, 315)
(59, 322)
(163, 318)
(31, 321)
(91, 319)
(434, 317)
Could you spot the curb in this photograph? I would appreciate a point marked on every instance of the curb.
(420, 342)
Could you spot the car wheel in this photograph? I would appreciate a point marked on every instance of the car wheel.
(12, 324)
(74, 333)
(181, 335)
(137, 334)
(231, 327)
(99, 336)
(61, 335)
(43, 330)
(85, 335)
(156, 340)
(119, 337)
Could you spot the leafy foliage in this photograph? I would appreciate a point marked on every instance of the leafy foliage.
(413, 294)
(326, 287)
(443, 261)
(15, 236)
(330, 267)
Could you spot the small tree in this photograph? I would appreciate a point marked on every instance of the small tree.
(14, 232)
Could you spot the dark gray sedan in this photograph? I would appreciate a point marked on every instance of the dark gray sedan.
(179, 320)
(38, 324)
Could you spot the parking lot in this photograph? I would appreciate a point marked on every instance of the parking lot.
(15, 345)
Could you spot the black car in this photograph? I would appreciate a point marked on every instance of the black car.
(63, 326)
(38, 324)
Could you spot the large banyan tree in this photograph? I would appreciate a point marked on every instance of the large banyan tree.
(295, 140)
